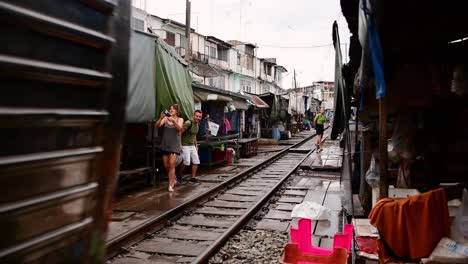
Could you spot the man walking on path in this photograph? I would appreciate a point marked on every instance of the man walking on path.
(319, 122)
(189, 145)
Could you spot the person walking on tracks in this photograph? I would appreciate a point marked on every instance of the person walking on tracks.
(189, 145)
(319, 122)
(171, 141)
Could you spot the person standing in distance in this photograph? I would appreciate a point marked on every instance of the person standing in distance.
(319, 122)
(170, 141)
(189, 145)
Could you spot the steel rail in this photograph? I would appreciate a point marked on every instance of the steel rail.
(134, 235)
(239, 224)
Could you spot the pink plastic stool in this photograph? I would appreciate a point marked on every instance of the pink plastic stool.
(303, 237)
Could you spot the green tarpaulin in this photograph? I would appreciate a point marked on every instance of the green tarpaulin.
(342, 97)
(173, 81)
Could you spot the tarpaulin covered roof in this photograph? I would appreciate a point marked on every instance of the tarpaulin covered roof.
(173, 81)
(141, 93)
(158, 77)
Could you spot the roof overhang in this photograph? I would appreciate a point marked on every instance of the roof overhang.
(209, 89)
(281, 68)
(218, 41)
(257, 101)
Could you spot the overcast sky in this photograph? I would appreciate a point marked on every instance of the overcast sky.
(288, 30)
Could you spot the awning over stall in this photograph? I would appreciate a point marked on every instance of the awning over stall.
(257, 101)
(205, 97)
(173, 81)
(141, 104)
(205, 93)
(240, 104)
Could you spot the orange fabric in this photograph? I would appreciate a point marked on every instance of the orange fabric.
(412, 227)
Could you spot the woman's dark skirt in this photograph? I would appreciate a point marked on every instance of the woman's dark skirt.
(319, 129)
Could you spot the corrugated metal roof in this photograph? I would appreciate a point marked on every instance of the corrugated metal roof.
(258, 102)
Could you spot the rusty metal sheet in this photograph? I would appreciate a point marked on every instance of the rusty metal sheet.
(199, 220)
(193, 234)
(267, 224)
(236, 198)
(218, 211)
(285, 199)
(295, 192)
(285, 207)
(225, 204)
(171, 247)
(241, 192)
(279, 215)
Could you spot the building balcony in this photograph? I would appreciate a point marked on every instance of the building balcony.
(197, 56)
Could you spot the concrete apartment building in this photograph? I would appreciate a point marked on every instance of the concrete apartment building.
(228, 65)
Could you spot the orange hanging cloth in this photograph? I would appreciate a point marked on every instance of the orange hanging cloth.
(412, 227)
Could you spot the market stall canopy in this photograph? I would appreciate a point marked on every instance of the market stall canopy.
(204, 93)
(205, 97)
(240, 104)
(141, 93)
(257, 101)
(173, 81)
(158, 77)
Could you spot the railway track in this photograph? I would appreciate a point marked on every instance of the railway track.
(195, 230)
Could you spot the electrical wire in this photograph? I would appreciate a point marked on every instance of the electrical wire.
(295, 47)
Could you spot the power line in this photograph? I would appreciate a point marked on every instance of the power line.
(296, 47)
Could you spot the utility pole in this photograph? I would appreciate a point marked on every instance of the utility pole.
(295, 92)
(188, 52)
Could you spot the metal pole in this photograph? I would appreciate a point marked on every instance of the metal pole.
(383, 192)
(188, 53)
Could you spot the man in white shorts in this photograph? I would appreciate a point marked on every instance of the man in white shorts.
(189, 145)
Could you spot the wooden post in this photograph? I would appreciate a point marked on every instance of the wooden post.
(383, 161)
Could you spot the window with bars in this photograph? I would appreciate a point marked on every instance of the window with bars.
(170, 38)
(249, 62)
(213, 52)
(222, 53)
(246, 86)
(221, 82)
(183, 41)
